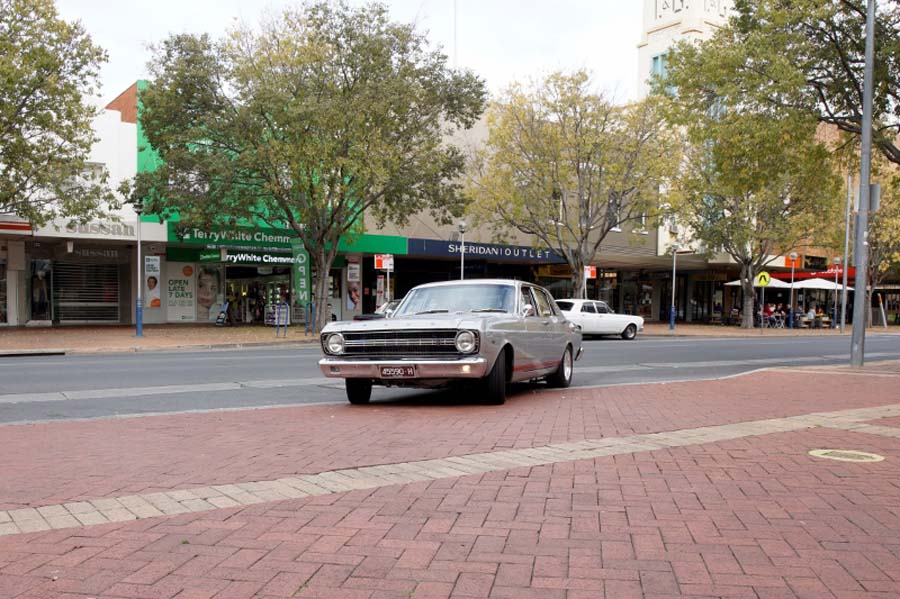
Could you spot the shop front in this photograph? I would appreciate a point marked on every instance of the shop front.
(249, 271)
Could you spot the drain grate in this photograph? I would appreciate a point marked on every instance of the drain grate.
(846, 455)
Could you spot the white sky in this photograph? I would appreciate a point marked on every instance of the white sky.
(501, 40)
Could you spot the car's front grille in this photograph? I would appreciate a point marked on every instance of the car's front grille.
(401, 344)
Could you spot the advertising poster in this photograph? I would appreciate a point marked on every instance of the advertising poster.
(152, 283)
(210, 294)
(354, 296)
(180, 295)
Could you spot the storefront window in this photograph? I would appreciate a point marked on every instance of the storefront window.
(3, 301)
(40, 290)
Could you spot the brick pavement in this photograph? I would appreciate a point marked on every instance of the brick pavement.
(748, 517)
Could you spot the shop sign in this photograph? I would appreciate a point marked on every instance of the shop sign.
(262, 237)
(239, 257)
(180, 291)
(384, 262)
(488, 251)
(300, 273)
(353, 275)
(590, 272)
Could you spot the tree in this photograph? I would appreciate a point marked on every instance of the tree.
(751, 186)
(48, 70)
(805, 56)
(884, 240)
(318, 116)
(565, 165)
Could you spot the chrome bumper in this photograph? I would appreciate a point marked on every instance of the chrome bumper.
(580, 352)
(465, 368)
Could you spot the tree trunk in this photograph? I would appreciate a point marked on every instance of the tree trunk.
(323, 261)
(577, 266)
(749, 296)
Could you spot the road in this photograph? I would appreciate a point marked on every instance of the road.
(103, 385)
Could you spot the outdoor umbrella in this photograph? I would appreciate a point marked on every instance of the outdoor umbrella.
(773, 284)
(824, 284)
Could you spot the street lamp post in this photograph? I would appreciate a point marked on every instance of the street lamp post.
(672, 307)
(861, 249)
(139, 304)
(462, 250)
(837, 266)
(793, 257)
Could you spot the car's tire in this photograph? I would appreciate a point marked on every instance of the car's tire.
(493, 386)
(359, 391)
(562, 378)
(629, 333)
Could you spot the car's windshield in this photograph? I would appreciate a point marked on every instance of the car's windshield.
(459, 298)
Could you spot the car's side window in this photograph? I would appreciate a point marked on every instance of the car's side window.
(564, 305)
(602, 308)
(552, 302)
(588, 307)
(527, 300)
(543, 303)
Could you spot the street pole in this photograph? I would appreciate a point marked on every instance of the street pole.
(672, 308)
(462, 250)
(846, 251)
(793, 257)
(837, 263)
(139, 304)
(861, 249)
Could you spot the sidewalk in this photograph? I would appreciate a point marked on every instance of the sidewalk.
(695, 489)
(156, 337)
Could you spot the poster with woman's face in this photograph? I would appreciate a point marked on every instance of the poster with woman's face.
(152, 280)
(209, 285)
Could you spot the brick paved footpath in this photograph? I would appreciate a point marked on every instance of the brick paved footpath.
(701, 489)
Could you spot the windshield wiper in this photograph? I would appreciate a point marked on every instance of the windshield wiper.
(431, 312)
(488, 310)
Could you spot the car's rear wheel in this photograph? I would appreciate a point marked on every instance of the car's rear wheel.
(562, 378)
(359, 391)
(629, 333)
(494, 384)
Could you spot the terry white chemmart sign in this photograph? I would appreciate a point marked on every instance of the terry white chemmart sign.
(258, 258)
(216, 238)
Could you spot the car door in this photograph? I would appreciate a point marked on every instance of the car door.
(550, 335)
(588, 315)
(525, 348)
(613, 323)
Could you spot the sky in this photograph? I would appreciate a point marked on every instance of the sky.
(500, 40)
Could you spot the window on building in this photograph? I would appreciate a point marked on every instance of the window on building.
(658, 66)
(613, 213)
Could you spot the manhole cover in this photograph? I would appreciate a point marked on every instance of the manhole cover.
(846, 455)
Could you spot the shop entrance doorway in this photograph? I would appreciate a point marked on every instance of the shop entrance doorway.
(253, 291)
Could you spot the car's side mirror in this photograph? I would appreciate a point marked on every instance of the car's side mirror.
(528, 310)
(388, 313)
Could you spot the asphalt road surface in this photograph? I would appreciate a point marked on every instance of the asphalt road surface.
(104, 385)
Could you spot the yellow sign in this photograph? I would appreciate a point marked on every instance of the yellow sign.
(762, 279)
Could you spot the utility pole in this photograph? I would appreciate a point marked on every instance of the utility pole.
(846, 251)
(861, 247)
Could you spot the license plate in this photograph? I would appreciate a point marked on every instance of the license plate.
(398, 372)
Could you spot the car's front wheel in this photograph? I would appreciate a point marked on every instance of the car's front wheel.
(359, 391)
(494, 384)
(629, 333)
(562, 378)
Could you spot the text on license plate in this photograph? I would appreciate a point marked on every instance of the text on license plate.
(398, 372)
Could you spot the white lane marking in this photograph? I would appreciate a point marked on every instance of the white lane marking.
(124, 392)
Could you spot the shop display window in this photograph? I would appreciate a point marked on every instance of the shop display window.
(40, 290)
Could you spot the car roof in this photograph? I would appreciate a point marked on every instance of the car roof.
(509, 282)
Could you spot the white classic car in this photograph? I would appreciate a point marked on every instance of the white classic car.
(488, 331)
(597, 318)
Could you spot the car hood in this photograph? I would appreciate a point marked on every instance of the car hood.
(422, 321)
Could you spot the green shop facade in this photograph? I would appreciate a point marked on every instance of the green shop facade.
(248, 271)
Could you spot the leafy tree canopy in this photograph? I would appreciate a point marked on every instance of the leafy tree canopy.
(48, 72)
(566, 165)
(780, 57)
(315, 117)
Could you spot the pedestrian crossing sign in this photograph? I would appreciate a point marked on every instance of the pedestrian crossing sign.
(762, 279)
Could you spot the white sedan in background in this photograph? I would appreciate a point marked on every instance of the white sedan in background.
(597, 318)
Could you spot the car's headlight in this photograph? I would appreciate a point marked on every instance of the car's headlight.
(334, 343)
(466, 342)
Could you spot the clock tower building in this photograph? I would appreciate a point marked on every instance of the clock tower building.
(669, 21)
